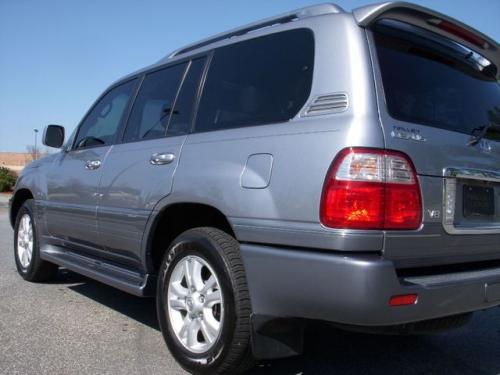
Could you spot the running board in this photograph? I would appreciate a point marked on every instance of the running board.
(121, 278)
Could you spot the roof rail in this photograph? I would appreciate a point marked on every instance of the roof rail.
(310, 11)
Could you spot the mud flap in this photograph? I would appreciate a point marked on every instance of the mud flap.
(276, 337)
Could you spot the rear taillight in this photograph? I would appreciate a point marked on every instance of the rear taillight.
(371, 189)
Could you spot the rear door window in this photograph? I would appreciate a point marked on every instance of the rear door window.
(153, 107)
(258, 81)
(433, 81)
(180, 122)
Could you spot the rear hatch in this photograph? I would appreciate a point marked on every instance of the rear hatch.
(439, 100)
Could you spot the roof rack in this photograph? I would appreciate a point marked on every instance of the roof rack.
(311, 11)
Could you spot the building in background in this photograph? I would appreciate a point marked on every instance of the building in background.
(16, 161)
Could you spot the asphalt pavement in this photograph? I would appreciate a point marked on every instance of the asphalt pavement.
(4, 200)
(78, 326)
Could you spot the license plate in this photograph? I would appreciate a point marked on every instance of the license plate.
(479, 201)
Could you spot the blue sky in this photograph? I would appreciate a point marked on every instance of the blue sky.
(57, 56)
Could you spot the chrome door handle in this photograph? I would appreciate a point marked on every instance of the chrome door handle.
(162, 158)
(92, 164)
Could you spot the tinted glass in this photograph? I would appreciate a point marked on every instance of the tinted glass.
(180, 121)
(153, 106)
(101, 125)
(258, 81)
(437, 83)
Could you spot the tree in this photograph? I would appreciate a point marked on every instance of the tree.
(7, 179)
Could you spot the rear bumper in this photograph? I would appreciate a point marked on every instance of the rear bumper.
(356, 290)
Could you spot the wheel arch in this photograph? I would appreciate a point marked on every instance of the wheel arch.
(175, 219)
(20, 196)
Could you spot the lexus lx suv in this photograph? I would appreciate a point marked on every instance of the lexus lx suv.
(316, 165)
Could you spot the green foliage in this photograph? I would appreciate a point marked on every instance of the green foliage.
(7, 179)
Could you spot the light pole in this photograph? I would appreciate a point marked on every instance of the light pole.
(36, 133)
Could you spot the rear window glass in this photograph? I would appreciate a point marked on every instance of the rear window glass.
(436, 82)
(258, 81)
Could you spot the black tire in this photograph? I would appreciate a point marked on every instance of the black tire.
(37, 270)
(231, 352)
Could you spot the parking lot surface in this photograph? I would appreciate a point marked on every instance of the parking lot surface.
(78, 326)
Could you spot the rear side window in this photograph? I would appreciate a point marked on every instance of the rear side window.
(180, 123)
(153, 106)
(259, 81)
(433, 81)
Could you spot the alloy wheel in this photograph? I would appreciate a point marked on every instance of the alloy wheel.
(195, 304)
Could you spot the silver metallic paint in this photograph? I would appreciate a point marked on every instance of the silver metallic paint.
(89, 221)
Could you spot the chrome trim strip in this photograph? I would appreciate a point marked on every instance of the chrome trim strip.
(449, 188)
(472, 174)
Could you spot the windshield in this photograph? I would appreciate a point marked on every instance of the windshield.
(433, 81)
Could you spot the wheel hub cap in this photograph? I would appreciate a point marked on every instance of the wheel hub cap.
(195, 304)
(25, 241)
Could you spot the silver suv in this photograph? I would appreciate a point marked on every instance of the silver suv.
(318, 165)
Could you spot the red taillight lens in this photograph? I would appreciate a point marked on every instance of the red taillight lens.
(403, 300)
(460, 32)
(403, 208)
(348, 204)
(371, 189)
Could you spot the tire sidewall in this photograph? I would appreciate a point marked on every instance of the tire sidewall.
(26, 208)
(196, 244)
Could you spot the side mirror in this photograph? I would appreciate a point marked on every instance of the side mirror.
(53, 136)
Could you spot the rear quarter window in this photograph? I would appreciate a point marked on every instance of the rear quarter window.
(259, 81)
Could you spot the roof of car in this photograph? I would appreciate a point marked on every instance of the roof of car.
(363, 16)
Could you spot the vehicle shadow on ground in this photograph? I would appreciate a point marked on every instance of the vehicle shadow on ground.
(142, 310)
(331, 351)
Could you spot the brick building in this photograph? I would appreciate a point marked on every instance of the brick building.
(15, 160)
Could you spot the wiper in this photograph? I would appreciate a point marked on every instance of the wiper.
(482, 130)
